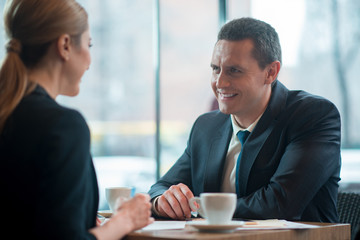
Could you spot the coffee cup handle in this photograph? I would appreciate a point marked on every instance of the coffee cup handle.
(195, 205)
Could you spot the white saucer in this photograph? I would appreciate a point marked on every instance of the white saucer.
(105, 213)
(204, 226)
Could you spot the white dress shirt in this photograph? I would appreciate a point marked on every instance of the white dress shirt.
(228, 184)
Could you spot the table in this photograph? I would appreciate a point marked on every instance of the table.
(325, 231)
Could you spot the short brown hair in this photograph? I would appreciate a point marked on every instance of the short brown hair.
(267, 47)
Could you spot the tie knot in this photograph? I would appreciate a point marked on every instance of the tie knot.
(242, 135)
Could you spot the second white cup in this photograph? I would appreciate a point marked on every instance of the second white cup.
(114, 193)
(216, 208)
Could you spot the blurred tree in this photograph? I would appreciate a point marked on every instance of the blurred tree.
(345, 27)
(330, 58)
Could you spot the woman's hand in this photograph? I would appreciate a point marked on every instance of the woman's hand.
(137, 211)
(131, 215)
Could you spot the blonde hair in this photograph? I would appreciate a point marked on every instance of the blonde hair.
(31, 26)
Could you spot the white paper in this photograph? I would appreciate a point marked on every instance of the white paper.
(164, 225)
(260, 224)
(276, 224)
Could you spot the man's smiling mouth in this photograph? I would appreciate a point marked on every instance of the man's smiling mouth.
(226, 95)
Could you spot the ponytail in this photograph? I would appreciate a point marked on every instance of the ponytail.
(31, 34)
(14, 83)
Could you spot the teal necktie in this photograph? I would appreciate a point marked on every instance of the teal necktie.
(242, 135)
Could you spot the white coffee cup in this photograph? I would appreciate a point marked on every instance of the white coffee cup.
(216, 208)
(114, 196)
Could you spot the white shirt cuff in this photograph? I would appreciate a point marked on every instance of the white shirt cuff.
(153, 207)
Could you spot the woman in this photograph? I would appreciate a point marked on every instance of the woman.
(48, 181)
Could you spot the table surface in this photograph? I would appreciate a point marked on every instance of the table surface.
(325, 231)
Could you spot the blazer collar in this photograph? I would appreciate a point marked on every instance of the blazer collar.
(262, 130)
(217, 155)
(39, 90)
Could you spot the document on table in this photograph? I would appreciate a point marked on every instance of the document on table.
(274, 224)
(164, 225)
(249, 225)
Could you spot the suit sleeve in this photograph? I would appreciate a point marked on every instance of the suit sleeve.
(180, 172)
(310, 159)
(63, 203)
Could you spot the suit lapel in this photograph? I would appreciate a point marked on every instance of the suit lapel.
(251, 149)
(261, 132)
(216, 159)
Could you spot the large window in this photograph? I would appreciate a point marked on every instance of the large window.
(320, 42)
(117, 93)
(188, 34)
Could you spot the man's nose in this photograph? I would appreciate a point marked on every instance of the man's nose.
(222, 80)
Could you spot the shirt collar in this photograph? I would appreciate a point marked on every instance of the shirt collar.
(237, 128)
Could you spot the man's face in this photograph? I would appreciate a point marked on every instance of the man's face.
(239, 84)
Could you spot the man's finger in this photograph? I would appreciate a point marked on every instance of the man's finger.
(184, 204)
(164, 208)
(171, 197)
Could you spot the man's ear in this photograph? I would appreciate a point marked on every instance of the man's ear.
(64, 46)
(272, 71)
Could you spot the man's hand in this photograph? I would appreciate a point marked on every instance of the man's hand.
(174, 203)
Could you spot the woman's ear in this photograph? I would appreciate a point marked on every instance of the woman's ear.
(272, 71)
(64, 46)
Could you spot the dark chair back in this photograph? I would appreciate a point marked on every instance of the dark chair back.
(348, 206)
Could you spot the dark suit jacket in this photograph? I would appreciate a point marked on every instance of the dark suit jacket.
(48, 183)
(290, 163)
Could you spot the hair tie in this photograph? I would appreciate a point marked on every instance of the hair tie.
(13, 45)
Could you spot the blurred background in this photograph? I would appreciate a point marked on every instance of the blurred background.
(150, 76)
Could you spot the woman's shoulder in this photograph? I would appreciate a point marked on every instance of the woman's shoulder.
(39, 103)
(38, 112)
(40, 125)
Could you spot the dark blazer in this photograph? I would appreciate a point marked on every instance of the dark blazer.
(290, 163)
(48, 183)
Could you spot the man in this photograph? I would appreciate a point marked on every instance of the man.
(289, 165)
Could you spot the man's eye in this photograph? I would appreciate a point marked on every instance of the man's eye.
(234, 70)
(215, 69)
